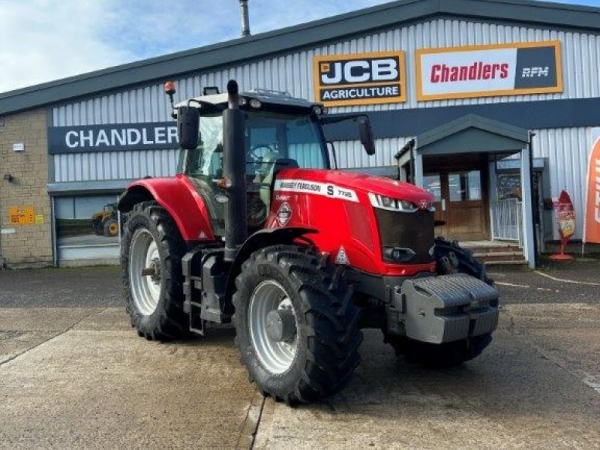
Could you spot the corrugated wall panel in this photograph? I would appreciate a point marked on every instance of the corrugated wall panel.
(351, 154)
(567, 150)
(114, 165)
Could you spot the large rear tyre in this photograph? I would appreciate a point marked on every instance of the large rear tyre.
(151, 253)
(296, 325)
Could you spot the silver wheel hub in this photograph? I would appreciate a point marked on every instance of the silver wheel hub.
(281, 325)
(273, 326)
(144, 272)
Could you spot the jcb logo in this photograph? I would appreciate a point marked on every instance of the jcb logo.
(365, 78)
(360, 71)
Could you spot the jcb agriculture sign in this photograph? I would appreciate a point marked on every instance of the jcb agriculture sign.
(489, 70)
(360, 79)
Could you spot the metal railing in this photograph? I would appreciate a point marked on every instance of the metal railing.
(507, 220)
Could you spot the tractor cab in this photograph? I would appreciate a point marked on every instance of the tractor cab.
(280, 132)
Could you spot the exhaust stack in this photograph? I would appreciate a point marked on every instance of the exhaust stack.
(234, 173)
(245, 18)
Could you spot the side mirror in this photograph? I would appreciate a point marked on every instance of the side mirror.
(366, 135)
(188, 125)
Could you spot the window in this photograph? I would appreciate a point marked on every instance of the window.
(464, 186)
(433, 185)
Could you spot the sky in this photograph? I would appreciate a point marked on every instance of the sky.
(46, 40)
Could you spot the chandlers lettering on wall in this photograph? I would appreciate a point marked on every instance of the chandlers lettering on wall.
(359, 79)
(489, 70)
(98, 138)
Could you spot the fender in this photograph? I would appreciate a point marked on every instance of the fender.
(181, 200)
(258, 240)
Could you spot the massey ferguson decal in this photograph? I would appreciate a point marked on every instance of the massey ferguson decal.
(313, 187)
(489, 70)
(360, 79)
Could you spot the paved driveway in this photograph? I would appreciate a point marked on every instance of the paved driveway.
(75, 375)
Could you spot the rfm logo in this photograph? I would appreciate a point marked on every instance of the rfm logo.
(530, 72)
(366, 70)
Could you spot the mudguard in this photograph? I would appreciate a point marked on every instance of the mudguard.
(181, 200)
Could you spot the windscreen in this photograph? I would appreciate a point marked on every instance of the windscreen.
(273, 136)
(269, 136)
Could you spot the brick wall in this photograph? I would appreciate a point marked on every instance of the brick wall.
(25, 244)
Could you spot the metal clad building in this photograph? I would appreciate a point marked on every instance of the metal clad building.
(95, 121)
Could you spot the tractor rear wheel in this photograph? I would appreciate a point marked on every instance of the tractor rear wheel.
(296, 325)
(151, 253)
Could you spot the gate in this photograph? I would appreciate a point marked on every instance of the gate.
(507, 220)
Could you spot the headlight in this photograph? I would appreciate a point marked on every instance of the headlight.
(392, 204)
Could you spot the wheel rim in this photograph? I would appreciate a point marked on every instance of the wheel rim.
(275, 356)
(144, 272)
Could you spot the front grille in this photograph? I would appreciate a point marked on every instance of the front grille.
(410, 230)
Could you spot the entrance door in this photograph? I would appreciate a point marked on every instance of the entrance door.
(459, 204)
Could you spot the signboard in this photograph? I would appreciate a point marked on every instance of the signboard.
(360, 79)
(565, 217)
(21, 215)
(591, 231)
(100, 138)
(489, 70)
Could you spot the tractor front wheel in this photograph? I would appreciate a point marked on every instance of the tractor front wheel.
(296, 325)
(151, 253)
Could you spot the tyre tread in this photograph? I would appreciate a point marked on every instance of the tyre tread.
(170, 321)
(331, 320)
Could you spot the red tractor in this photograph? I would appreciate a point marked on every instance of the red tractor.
(258, 230)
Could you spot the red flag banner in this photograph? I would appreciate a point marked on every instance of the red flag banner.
(591, 231)
(565, 216)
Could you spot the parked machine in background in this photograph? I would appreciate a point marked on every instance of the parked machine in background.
(106, 222)
(257, 229)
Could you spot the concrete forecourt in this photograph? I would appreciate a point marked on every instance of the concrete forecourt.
(76, 375)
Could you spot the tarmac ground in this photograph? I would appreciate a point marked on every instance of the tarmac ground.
(75, 375)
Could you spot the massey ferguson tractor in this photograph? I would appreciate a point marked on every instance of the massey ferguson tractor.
(257, 229)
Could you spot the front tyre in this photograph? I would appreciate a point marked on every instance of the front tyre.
(151, 253)
(296, 325)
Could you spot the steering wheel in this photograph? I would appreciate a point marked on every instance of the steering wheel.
(257, 152)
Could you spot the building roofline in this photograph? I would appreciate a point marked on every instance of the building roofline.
(469, 121)
(305, 35)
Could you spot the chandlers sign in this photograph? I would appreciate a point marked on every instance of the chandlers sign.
(101, 138)
(360, 79)
(489, 70)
